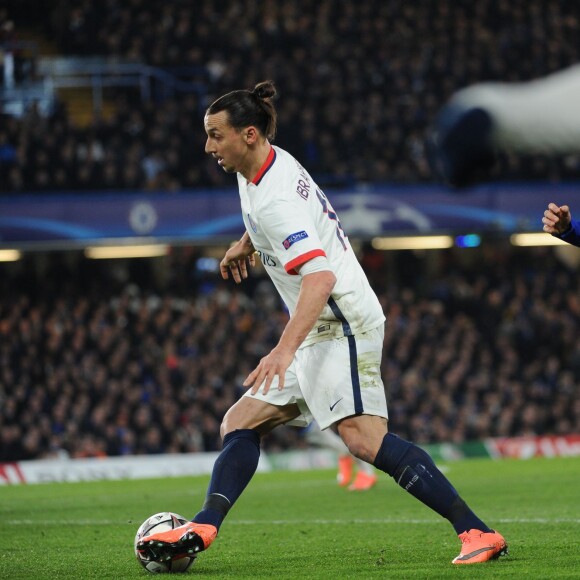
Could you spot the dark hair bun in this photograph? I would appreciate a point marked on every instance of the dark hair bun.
(265, 90)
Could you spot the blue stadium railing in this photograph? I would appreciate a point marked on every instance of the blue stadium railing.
(97, 73)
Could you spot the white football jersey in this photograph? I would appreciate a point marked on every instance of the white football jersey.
(290, 221)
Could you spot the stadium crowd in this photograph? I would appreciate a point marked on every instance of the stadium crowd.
(360, 83)
(98, 360)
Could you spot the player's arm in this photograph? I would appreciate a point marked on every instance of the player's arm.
(315, 290)
(236, 259)
(558, 221)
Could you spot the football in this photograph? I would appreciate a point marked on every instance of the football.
(162, 522)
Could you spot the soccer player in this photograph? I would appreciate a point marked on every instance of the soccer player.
(365, 477)
(558, 221)
(327, 363)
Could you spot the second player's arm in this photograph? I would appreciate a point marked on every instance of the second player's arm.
(558, 221)
(314, 293)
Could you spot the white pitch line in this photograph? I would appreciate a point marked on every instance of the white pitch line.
(402, 521)
(320, 522)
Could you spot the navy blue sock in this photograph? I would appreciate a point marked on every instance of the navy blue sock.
(415, 472)
(232, 472)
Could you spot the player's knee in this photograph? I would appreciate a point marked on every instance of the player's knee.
(225, 426)
(360, 442)
(223, 429)
(359, 448)
(254, 414)
(232, 421)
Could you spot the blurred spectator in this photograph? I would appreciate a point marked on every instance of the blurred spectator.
(17, 57)
(9, 57)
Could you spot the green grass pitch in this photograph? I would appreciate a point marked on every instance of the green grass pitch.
(301, 525)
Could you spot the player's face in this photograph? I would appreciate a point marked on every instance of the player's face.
(224, 142)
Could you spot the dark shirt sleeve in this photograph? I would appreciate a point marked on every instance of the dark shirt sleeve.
(572, 234)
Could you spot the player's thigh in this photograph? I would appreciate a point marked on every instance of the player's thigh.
(341, 377)
(256, 414)
(292, 408)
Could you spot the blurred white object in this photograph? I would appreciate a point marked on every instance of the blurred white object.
(539, 116)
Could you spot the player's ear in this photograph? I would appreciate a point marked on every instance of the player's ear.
(250, 135)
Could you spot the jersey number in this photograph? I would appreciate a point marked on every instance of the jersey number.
(327, 209)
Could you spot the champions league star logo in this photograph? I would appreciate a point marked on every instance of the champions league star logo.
(372, 214)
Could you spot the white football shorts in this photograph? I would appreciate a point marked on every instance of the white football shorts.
(333, 379)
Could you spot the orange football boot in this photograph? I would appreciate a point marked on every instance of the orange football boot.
(345, 464)
(363, 481)
(189, 538)
(478, 546)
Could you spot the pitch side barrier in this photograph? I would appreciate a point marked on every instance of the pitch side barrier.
(192, 464)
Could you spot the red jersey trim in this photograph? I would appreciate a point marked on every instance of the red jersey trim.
(291, 266)
(266, 167)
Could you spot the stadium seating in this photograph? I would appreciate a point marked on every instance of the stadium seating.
(91, 366)
(98, 360)
(360, 83)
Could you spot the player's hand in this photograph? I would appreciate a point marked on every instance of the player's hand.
(237, 259)
(556, 219)
(274, 364)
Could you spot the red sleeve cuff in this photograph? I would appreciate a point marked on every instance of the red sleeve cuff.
(291, 266)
